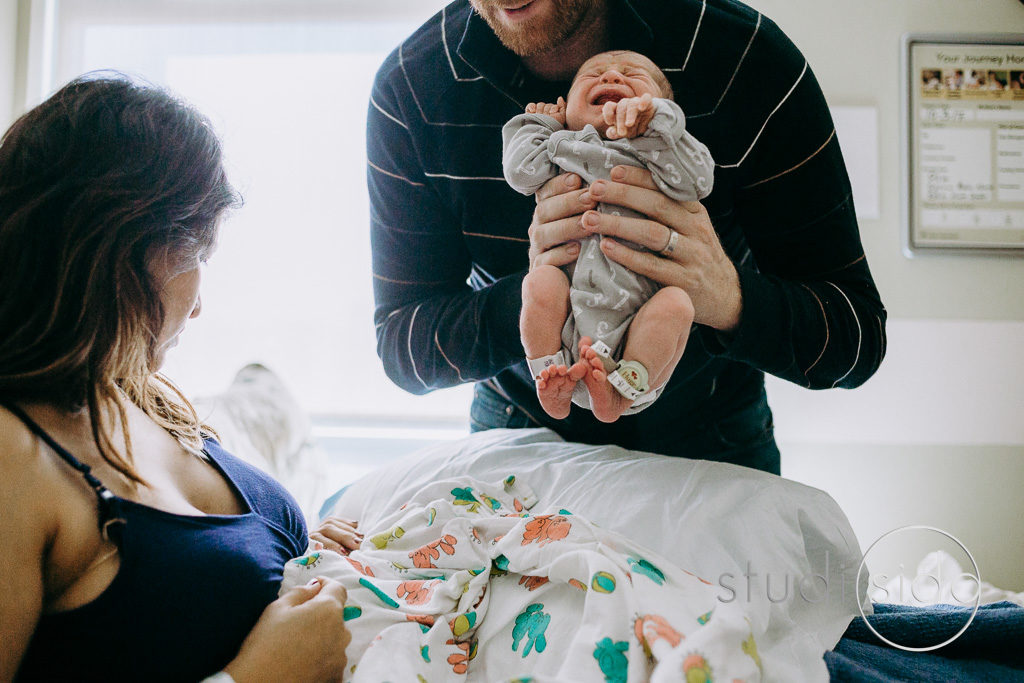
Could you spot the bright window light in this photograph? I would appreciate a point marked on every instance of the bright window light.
(290, 283)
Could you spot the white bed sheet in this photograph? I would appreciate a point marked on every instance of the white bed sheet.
(783, 549)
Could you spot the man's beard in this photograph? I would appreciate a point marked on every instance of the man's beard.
(541, 33)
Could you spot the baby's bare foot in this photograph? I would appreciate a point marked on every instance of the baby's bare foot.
(606, 403)
(555, 387)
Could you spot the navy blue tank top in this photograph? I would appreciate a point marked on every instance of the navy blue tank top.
(189, 588)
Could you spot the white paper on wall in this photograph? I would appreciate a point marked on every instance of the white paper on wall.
(857, 128)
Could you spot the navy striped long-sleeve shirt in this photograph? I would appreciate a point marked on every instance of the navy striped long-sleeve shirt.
(450, 243)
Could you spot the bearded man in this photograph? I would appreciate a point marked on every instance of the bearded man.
(772, 260)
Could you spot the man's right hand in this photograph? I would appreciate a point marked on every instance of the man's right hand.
(556, 230)
(301, 636)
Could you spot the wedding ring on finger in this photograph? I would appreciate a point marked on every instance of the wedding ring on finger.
(673, 242)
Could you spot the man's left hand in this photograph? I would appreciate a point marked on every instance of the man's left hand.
(697, 264)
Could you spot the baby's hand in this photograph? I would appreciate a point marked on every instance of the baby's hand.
(556, 110)
(629, 117)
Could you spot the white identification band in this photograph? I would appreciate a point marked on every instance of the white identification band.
(646, 398)
(538, 364)
(604, 352)
(630, 379)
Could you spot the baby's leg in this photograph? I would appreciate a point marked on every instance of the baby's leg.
(656, 339)
(545, 307)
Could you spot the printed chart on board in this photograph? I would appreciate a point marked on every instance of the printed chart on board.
(966, 143)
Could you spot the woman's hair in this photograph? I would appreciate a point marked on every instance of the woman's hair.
(97, 182)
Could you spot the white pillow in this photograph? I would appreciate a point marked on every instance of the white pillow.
(259, 421)
(709, 518)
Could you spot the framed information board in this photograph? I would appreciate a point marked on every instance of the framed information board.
(963, 143)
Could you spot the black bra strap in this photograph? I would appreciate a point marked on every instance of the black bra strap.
(103, 494)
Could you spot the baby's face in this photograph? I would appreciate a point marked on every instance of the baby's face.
(608, 77)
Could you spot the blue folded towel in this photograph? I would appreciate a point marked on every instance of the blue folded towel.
(991, 649)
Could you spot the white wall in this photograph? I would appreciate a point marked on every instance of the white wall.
(8, 52)
(937, 436)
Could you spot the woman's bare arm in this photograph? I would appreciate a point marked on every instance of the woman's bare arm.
(25, 530)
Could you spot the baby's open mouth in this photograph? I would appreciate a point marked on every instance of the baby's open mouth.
(608, 93)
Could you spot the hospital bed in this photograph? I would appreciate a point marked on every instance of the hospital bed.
(783, 549)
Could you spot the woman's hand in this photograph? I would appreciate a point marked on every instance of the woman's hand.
(697, 264)
(301, 636)
(556, 221)
(338, 534)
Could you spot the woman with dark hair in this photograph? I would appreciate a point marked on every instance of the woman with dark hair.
(132, 547)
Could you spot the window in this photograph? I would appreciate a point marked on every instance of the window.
(286, 85)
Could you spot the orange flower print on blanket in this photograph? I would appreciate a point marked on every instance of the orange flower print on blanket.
(365, 571)
(460, 660)
(422, 619)
(650, 628)
(532, 583)
(417, 592)
(423, 557)
(546, 528)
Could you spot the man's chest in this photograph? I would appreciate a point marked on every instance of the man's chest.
(494, 219)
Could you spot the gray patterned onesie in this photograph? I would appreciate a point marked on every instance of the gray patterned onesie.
(605, 295)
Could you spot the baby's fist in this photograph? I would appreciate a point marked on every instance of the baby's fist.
(555, 111)
(629, 117)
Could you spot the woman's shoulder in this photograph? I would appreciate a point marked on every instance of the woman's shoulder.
(19, 448)
(26, 480)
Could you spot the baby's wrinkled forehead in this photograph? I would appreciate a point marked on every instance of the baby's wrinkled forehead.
(617, 59)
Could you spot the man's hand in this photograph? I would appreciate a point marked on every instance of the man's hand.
(556, 229)
(629, 117)
(555, 111)
(698, 264)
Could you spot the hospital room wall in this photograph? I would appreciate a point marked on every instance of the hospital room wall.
(937, 436)
(8, 52)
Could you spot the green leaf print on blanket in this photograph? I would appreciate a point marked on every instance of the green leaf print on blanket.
(531, 624)
(500, 566)
(464, 496)
(642, 566)
(384, 597)
(611, 658)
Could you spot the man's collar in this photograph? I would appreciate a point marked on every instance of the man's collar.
(482, 50)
